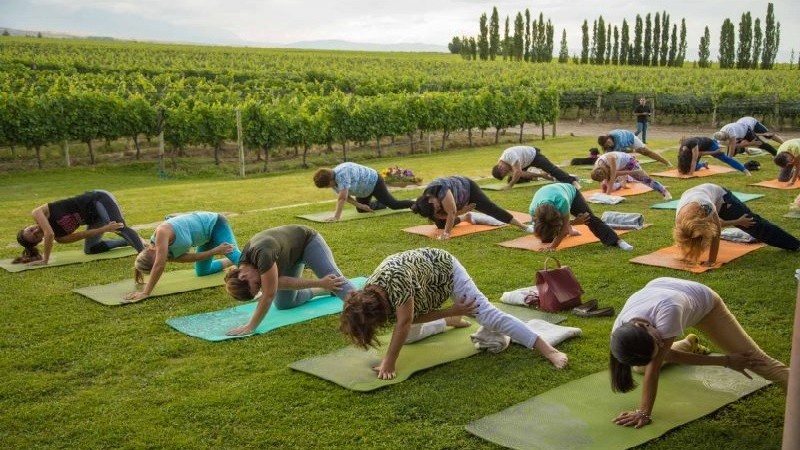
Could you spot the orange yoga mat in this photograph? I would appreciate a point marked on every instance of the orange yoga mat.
(531, 242)
(462, 228)
(671, 258)
(632, 189)
(775, 184)
(712, 170)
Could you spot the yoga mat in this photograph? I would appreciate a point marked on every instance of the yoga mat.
(351, 214)
(170, 283)
(712, 170)
(462, 228)
(579, 414)
(632, 189)
(671, 258)
(68, 257)
(793, 214)
(212, 326)
(500, 185)
(775, 184)
(351, 367)
(531, 242)
(673, 204)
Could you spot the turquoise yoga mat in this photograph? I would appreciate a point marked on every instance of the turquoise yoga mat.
(579, 414)
(351, 214)
(212, 326)
(69, 257)
(351, 367)
(673, 204)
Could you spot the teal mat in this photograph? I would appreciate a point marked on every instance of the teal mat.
(213, 326)
(69, 257)
(351, 214)
(351, 367)
(673, 204)
(579, 414)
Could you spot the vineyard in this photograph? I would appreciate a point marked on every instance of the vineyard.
(56, 92)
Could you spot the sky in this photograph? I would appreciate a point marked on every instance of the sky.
(281, 22)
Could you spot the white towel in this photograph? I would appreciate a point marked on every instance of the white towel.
(737, 235)
(483, 219)
(605, 199)
(519, 296)
(495, 342)
(623, 221)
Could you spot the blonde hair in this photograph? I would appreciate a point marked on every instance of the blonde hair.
(721, 136)
(694, 231)
(236, 288)
(143, 264)
(547, 222)
(600, 172)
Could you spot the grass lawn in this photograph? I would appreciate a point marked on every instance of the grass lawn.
(77, 374)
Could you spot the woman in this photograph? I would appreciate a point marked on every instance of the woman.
(273, 261)
(520, 158)
(550, 211)
(691, 149)
(788, 159)
(444, 199)
(59, 221)
(702, 212)
(410, 287)
(611, 165)
(351, 179)
(172, 240)
(625, 141)
(644, 334)
(742, 134)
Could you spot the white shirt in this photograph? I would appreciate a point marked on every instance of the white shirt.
(622, 159)
(736, 130)
(521, 154)
(749, 121)
(703, 194)
(670, 304)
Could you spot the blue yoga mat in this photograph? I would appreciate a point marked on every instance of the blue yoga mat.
(212, 326)
(673, 204)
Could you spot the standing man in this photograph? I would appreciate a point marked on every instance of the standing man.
(642, 112)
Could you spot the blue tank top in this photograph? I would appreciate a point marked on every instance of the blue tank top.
(191, 230)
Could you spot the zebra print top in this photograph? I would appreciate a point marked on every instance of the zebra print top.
(424, 274)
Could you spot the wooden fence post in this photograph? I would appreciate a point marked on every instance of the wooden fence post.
(599, 105)
(65, 149)
(240, 142)
(778, 117)
(554, 127)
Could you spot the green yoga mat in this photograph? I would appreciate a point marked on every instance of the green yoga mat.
(499, 186)
(351, 367)
(793, 214)
(351, 214)
(579, 414)
(169, 283)
(673, 204)
(69, 257)
(213, 326)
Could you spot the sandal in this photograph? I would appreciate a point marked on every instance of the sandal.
(608, 311)
(585, 307)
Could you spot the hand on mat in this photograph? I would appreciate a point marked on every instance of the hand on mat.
(547, 248)
(332, 219)
(333, 282)
(741, 361)
(444, 236)
(580, 219)
(134, 297)
(363, 207)
(745, 221)
(634, 419)
(385, 370)
(112, 226)
(240, 331)
(223, 249)
(38, 262)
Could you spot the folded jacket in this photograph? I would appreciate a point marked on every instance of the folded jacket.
(496, 342)
(605, 199)
(521, 297)
(483, 219)
(493, 341)
(736, 235)
(624, 221)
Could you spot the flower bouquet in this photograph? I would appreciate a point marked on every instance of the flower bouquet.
(397, 176)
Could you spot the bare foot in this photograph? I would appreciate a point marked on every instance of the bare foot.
(573, 231)
(457, 322)
(557, 358)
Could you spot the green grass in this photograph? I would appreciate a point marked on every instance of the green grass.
(82, 375)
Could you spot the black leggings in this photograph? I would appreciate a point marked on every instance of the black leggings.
(763, 230)
(107, 210)
(482, 204)
(543, 163)
(598, 228)
(381, 194)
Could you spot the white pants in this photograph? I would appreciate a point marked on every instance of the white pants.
(420, 331)
(464, 289)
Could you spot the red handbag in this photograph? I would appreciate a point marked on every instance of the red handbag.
(558, 288)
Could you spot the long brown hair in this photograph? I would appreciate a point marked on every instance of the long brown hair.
(238, 289)
(547, 222)
(365, 311)
(30, 251)
(694, 230)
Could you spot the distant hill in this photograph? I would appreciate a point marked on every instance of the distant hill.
(365, 46)
(50, 34)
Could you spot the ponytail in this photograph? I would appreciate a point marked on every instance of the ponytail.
(621, 376)
(631, 345)
(30, 252)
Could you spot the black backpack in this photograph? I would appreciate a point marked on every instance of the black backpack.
(752, 165)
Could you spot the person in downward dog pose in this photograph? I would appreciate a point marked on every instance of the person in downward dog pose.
(625, 141)
(691, 149)
(611, 165)
(518, 159)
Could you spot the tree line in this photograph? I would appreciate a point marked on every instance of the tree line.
(655, 42)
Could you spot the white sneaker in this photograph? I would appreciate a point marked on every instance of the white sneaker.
(624, 245)
(529, 229)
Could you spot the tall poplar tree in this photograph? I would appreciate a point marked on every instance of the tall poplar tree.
(600, 43)
(727, 45)
(636, 58)
(494, 34)
(673, 46)
(771, 39)
(704, 52)
(656, 40)
(519, 38)
(682, 45)
(624, 44)
(483, 39)
(615, 52)
(548, 53)
(527, 34)
(607, 59)
(585, 42)
(648, 41)
(541, 39)
(664, 38)
(507, 42)
(756, 44)
(745, 49)
(563, 54)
